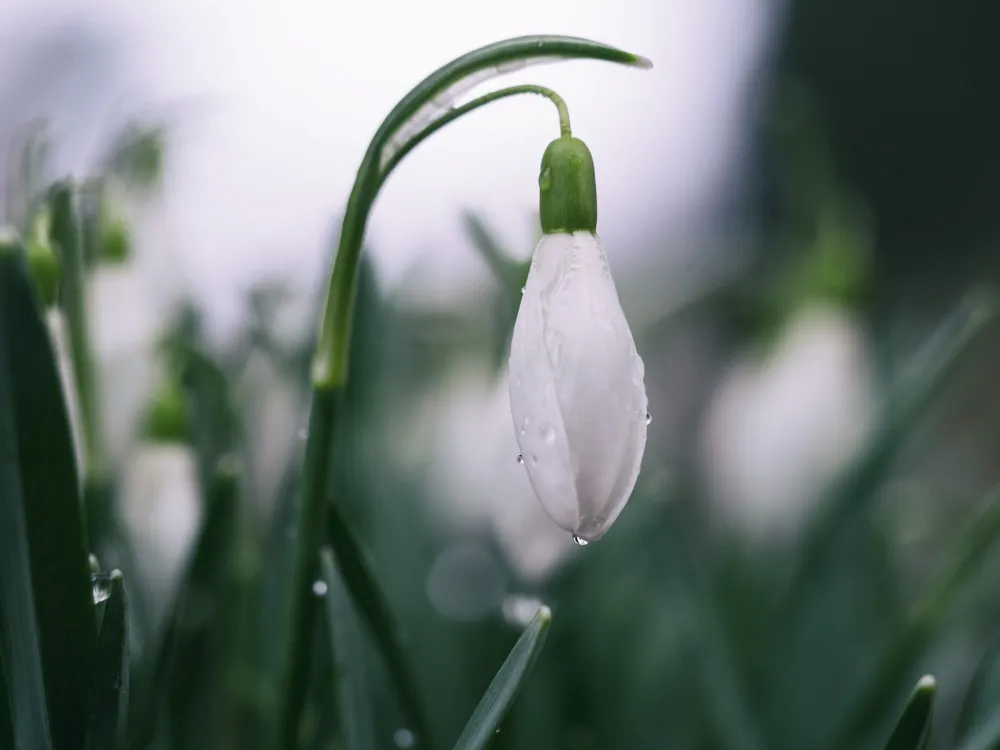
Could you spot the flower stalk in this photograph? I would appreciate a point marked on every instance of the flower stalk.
(423, 111)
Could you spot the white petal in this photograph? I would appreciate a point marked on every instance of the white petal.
(576, 387)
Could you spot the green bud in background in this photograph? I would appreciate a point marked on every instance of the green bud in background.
(567, 188)
(116, 242)
(166, 419)
(43, 263)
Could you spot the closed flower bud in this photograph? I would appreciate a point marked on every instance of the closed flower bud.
(576, 387)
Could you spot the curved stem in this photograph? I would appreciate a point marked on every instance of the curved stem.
(417, 108)
(417, 115)
(454, 114)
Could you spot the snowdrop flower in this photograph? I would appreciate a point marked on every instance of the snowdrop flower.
(576, 382)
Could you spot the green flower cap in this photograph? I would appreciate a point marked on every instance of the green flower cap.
(567, 188)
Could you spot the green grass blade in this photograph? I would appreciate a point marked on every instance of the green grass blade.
(208, 555)
(361, 582)
(39, 464)
(986, 737)
(928, 373)
(913, 730)
(20, 655)
(982, 687)
(964, 560)
(354, 706)
(109, 699)
(485, 721)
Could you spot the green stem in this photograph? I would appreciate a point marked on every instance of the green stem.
(493, 96)
(416, 112)
(330, 363)
(66, 231)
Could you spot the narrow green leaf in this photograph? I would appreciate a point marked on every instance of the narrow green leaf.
(20, 655)
(964, 560)
(928, 373)
(67, 237)
(913, 730)
(109, 699)
(354, 705)
(362, 583)
(39, 467)
(986, 737)
(180, 629)
(978, 692)
(485, 721)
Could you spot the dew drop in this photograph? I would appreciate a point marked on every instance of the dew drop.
(549, 435)
(404, 738)
(95, 565)
(524, 289)
(101, 584)
(649, 417)
(580, 541)
(520, 458)
(319, 588)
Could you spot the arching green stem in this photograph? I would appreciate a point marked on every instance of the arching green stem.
(415, 112)
(423, 111)
(493, 96)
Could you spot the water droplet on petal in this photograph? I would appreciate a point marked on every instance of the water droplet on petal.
(549, 435)
(319, 588)
(101, 585)
(404, 738)
(649, 417)
(580, 540)
(520, 458)
(524, 289)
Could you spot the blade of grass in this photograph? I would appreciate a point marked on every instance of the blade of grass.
(975, 699)
(20, 654)
(964, 560)
(39, 462)
(485, 721)
(109, 699)
(360, 580)
(987, 737)
(913, 730)
(354, 707)
(207, 556)
(929, 372)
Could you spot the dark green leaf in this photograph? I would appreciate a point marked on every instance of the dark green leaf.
(109, 699)
(978, 692)
(361, 582)
(485, 721)
(354, 704)
(182, 626)
(928, 373)
(987, 737)
(913, 730)
(965, 558)
(39, 467)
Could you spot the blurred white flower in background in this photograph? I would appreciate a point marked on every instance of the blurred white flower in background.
(782, 426)
(161, 511)
(461, 430)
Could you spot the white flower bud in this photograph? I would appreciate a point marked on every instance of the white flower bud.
(576, 387)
